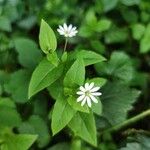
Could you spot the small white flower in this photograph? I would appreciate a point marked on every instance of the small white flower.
(67, 31)
(88, 93)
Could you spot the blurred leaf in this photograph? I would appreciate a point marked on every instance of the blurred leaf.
(43, 76)
(17, 142)
(5, 24)
(36, 125)
(119, 66)
(109, 5)
(8, 113)
(117, 100)
(60, 146)
(29, 54)
(61, 115)
(83, 125)
(130, 2)
(145, 44)
(18, 85)
(28, 22)
(138, 31)
(103, 25)
(129, 15)
(116, 35)
(47, 38)
(98, 46)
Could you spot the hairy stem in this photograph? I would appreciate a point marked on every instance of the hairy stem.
(128, 122)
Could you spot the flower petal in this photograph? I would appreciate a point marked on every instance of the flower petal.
(94, 89)
(89, 102)
(61, 28)
(65, 27)
(96, 93)
(84, 101)
(93, 99)
(86, 86)
(70, 28)
(82, 89)
(80, 93)
(80, 98)
(91, 86)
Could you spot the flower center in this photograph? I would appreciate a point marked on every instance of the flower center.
(87, 93)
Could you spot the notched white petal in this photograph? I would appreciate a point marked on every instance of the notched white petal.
(94, 89)
(86, 86)
(82, 89)
(96, 93)
(89, 102)
(93, 99)
(80, 98)
(84, 101)
(80, 93)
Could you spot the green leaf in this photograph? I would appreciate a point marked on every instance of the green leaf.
(76, 74)
(117, 100)
(17, 142)
(36, 125)
(119, 66)
(103, 25)
(89, 57)
(56, 88)
(131, 2)
(29, 54)
(18, 86)
(53, 58)
(64, 57)
(61, 115)
(109, 5)
(60, 146)
(43, 76)
(5, 24)
(83, 125)
(90, 18)
(97, 107)
(77, 106)
(97, 81)
(47, 38)
(145, 44)
(138, 31)
(116, 35)
(8, 113)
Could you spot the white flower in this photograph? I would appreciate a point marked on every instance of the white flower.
(67, 31)
(88, 93)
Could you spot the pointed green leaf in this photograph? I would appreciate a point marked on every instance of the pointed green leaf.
(76, 74)
(43, 76)
(47, 38)
(83, 125)
(61, 115)
(89, 57)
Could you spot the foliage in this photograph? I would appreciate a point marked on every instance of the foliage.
(39, 80)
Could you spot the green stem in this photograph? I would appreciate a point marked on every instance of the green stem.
(129, 121)
(66, 41)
